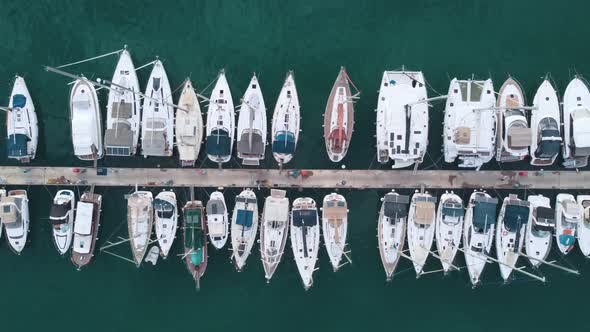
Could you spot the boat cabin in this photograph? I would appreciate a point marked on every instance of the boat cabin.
(59, 213)
(543, 219)
(581, 132)
(83, 228)
(216, 211)
(10, 213)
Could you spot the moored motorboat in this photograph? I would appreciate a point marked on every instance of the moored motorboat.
(166, 220)
(157, 119)
(244, 226)
(339, 118)
(583, 228)
(86, 228)
(421, 226)
(305, 237)
(61, 219)
(539, 232)
(22, 132)
(568, 214)
(189, 126)
(449, 228)
(513, 218)
(513, 133)
(14, 213)
(251, 133)
(545, 126)
(576, 124)
(195, 239)
(391, 230)
(274, 227)
(217, 220)
(285, 122)
(334, 227)
(140, 219)
(220, 122)
(85, 121)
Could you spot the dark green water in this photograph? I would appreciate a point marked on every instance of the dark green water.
(442, 38)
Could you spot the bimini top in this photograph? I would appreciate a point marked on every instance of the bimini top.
(251, 143)
(59, 213)
(395, 206)
(306, 218)
(215, 206)
(544, 218)
(245, 218)
(484, 211)
(163, 208)
(119, 140)
(453, 209)
(516, 215)
(9, 213)
(218, 143)
(19, 101)
(550, 139)
(284, 142)
(17, 145)
(425, 210)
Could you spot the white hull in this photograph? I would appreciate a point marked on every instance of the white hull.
(17, 234)
(140, 219)
(568, 214)
(545, 112)
(391, 231)
(217, 221)
(537, 242)
(449, 229)
(64, 233)
(286, 118)
(22, 120)
(509, 241)
(251, 135)
(477, 242)
(305, 239)
(243, 235)
(157, 121)
(420, 231)
(576, 124)
(274, 228)
(189, 126)
(166, 226)
(220, 117)
(85, 121)
(583, 228)
(334, 227)
(513, 133)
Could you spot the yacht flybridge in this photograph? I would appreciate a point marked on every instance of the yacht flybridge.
(545, 126)
(21, 124)
(513, 133)
(576, 124)
(252, 125)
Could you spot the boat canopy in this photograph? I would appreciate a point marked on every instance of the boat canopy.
(119, 140)
(219, 143)
(83, 224)
(395, 206)
(425, 210)
(484, 211)
(277, 211)
(251, 143)
(284, 142)
(19, 101)
(516, 215)
(17, 145)
(154, 142)
(335, 212)
(247, 200)
(519, 137)
(572, 210)
(306, 218)
(337, 138)
(59, 213)
(215, 206)
(245, 218)
(544, 219)
(453, 209)
(164, 209)
(581, 132)
(8, 213)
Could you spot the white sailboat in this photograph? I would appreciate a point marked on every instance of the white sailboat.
(217, 220)
(449, 228)
(22, 132)
(583, 228)
(305, 237)
(513, 133)
(470, 123)
(285, 122)
(140, 219)
(14, 213)
(545, 126)
(251, 133)
(189, 126)
(339, 118)
(514, 216)
(85, 121)
(421, 224)
(220, 122)
(576, 124)
(568, 214)
(274, 227)
(391, 230)
(166, 220)
(539, 232)
(123, 110)
(244, 226)
(402, 118)
(157, 121)
(61, 219)
(334, 227)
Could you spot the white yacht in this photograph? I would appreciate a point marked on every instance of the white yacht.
(470, 123)
(274, 227)
(334, 227)
(157, 120)
(421, 224)
(22, 132)
(391, 230)
(189, 126)
(305, 237)
(583, 228)
(402, 118)
(545, 126)
(85, 121)
(449, 228)
(339, 118)
(140, 219)
(251, 133)
(568, 214)
(123, 110)
(478, 233)
(86, 226)
(513, 133)
(217, 220)
(285, 122)
(220, 122)
(14, 213)
(539, 232)
(166, 220)
(61, 219)
(244, 225)
(576, 124)
(514, 216)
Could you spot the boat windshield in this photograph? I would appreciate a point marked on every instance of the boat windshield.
(59, 213)
(544, 219)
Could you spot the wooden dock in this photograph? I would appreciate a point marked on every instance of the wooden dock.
(324, 178)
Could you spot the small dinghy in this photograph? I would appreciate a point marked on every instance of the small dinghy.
(478, 233)
(140, 219)
(166, 220)
(391, 230)
(85, 121)
(339, 118)
(220, 122)
(61, 219)
(576, 124)
(244, 226)
(335, 225)
(195, 240)
(274, 227)
(568, 214)
(252, 125)
(584, 225)
(22, 132)
(123, 110)
(189, 126)
(285, 122)
(86, 229)
(513, 133)
(514, 216)
(449, 228)
(157, 120)
(14, 213)
(545, 126)
(539, 232)
(421, 224)
(305, 238)
(217, 220)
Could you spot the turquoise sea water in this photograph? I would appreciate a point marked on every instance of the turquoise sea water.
(444, 39)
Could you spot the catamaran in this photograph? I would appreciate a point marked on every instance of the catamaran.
(583, 228)
(402, 118)
(285, 122)
(217, 220)
(339, 118)
(470, 123)
(335, 225)
(545, 126)
(220, 122)
(421, 224)
(576, 124)
(85, 121)
(123, 110)
(195, 240)
(539, 232)
(568, 214)
(14, 213)
(140, 219)
(514, 216)
(61, 219)
(157, 121)
(244, 226)
(86, 229)
(274, 227)
(449, 227)
(252, 125)
(478, 233)
(189, 126)
(305, 237)
(391, 230)
(166, 220)
(513, 133)
(21, 123)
